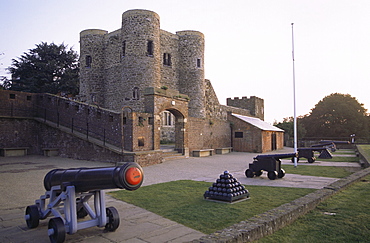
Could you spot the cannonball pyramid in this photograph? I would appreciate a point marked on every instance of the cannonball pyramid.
(226, 188)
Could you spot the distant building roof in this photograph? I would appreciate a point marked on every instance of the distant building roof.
(258, 123)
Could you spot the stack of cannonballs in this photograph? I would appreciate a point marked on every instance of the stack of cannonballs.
(226, 188)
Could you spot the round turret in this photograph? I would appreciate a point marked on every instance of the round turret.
(141, 59)
(92, 65)
(191, 72)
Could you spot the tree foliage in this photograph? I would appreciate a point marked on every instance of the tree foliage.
(48, 68)
(288, 126)
(337, 116)
(4, 83)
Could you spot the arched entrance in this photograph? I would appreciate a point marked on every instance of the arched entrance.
(172, 130)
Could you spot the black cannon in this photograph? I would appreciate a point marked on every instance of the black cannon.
(67, 198)
(326, 144)
(337, 144)
(308, 153)
(270, 163)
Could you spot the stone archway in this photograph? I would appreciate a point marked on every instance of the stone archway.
(179, 130)
(157, 101)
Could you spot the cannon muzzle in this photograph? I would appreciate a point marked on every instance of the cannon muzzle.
(128, 176)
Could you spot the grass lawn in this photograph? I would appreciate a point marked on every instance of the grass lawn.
(341, 218)
(183, 202)
(315, 170)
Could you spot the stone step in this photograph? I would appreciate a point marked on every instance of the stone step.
(170, 155)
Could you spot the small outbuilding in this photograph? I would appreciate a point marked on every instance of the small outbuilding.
(251, 134)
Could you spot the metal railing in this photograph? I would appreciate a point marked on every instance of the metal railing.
(74, 123)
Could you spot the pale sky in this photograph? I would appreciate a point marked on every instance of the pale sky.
(248, 43)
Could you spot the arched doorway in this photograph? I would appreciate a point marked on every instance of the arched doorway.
(172, 130)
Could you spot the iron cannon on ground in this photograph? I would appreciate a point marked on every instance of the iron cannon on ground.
(67, 198)
(270, 163)
(308, 153)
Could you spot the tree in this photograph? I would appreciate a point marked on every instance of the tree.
(337, 116)
(48, 68)
(4, 83)
(288, 126)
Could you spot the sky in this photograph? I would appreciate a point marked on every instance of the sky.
(248, 43)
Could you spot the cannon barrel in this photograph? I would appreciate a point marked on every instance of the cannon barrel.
(128, 176)
(335, 142)
(313, 148)
(322, 145)
(276, 156)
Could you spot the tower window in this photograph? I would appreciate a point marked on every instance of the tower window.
(123, 48)
(88, 61)
(135, 94)
(167, 59)
(198, 63)
(150, 48)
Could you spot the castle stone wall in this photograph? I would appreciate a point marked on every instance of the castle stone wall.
(170, 71)
(254, 104)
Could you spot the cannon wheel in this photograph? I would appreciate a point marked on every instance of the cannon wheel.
(281, 173)
(258, 173)
(272, 175)
(113, 219)
(249, 173)
(57, 230)
(33, 218)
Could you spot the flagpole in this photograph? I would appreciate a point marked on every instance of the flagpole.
(295, 115)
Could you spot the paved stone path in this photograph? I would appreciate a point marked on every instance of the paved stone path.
(21, 181)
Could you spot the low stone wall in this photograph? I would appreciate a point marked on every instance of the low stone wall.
(364, 160)
(275, 219)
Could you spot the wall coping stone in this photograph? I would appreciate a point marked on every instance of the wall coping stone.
(364, 160)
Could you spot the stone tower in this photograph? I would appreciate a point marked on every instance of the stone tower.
(124, 63)
(141, 59)
(92, 57)
(191, 73)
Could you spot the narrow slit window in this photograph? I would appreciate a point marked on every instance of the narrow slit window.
(123, 48)
(198, 63)
(88, 61)
(150, 48)
(167, 59)
(135, 93)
